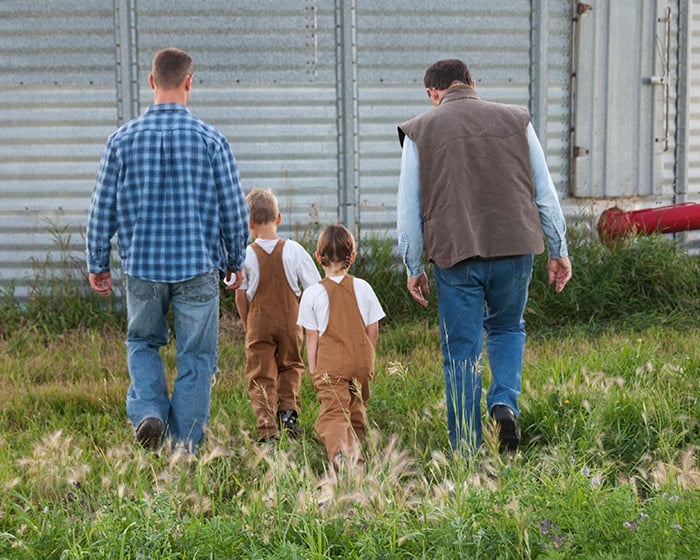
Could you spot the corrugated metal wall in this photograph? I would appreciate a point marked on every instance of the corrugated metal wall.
(396, 41)
(265, 75)
(669, 115)
(688, 172)
(58, 105)
(309, 93)
(550, 86)
(693, 146)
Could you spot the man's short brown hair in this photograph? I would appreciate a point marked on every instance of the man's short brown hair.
(170, 68)
(443, 73)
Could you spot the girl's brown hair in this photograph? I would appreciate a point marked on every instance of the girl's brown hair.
(335, 245)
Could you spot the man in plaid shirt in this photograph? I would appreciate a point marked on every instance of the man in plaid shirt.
(168, 186)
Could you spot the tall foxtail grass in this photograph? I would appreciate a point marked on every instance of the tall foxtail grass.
(609, 465)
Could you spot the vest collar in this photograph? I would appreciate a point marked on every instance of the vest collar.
(457, 92)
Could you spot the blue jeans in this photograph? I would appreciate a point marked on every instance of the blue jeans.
(476, 296)
(195, 305)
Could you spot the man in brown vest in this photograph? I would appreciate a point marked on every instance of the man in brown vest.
(476, 196)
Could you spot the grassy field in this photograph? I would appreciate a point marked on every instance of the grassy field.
(608, 468)
(609, 465)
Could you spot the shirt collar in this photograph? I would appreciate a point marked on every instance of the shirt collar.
(161, 107)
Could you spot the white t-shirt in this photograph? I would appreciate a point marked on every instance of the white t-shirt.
(299, 267)
(313, 308)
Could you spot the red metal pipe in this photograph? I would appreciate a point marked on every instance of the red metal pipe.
(664, 219)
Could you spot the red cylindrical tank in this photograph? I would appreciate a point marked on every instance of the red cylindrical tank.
(664, 219)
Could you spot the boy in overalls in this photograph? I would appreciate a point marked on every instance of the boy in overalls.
(268, 303)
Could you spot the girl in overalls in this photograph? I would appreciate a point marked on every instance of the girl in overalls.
(341, 317)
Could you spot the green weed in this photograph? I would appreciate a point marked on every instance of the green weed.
(59, 296)
(608, 466)
(637, 283)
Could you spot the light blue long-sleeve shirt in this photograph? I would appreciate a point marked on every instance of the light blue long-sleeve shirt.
(410, 224)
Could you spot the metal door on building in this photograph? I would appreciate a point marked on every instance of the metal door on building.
(621, 88)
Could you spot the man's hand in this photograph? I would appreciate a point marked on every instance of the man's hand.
(417, 287)
(559, 271)
(101, 283)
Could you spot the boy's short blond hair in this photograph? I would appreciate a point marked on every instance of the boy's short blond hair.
(263, 206)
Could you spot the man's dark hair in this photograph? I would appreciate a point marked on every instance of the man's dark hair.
(442, 73)
(170, 67)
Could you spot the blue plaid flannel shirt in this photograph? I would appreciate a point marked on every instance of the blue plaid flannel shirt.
(168, 186)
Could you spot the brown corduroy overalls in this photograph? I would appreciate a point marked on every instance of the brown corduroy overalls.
(273, 343)
(344, 367)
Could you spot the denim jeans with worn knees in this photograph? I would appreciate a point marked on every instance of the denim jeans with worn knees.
(195, 306)
(477, 296)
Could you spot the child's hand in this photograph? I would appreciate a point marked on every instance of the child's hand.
(234, 278)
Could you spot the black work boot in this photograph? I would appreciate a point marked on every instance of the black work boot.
(149, 432)
(508, 430)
